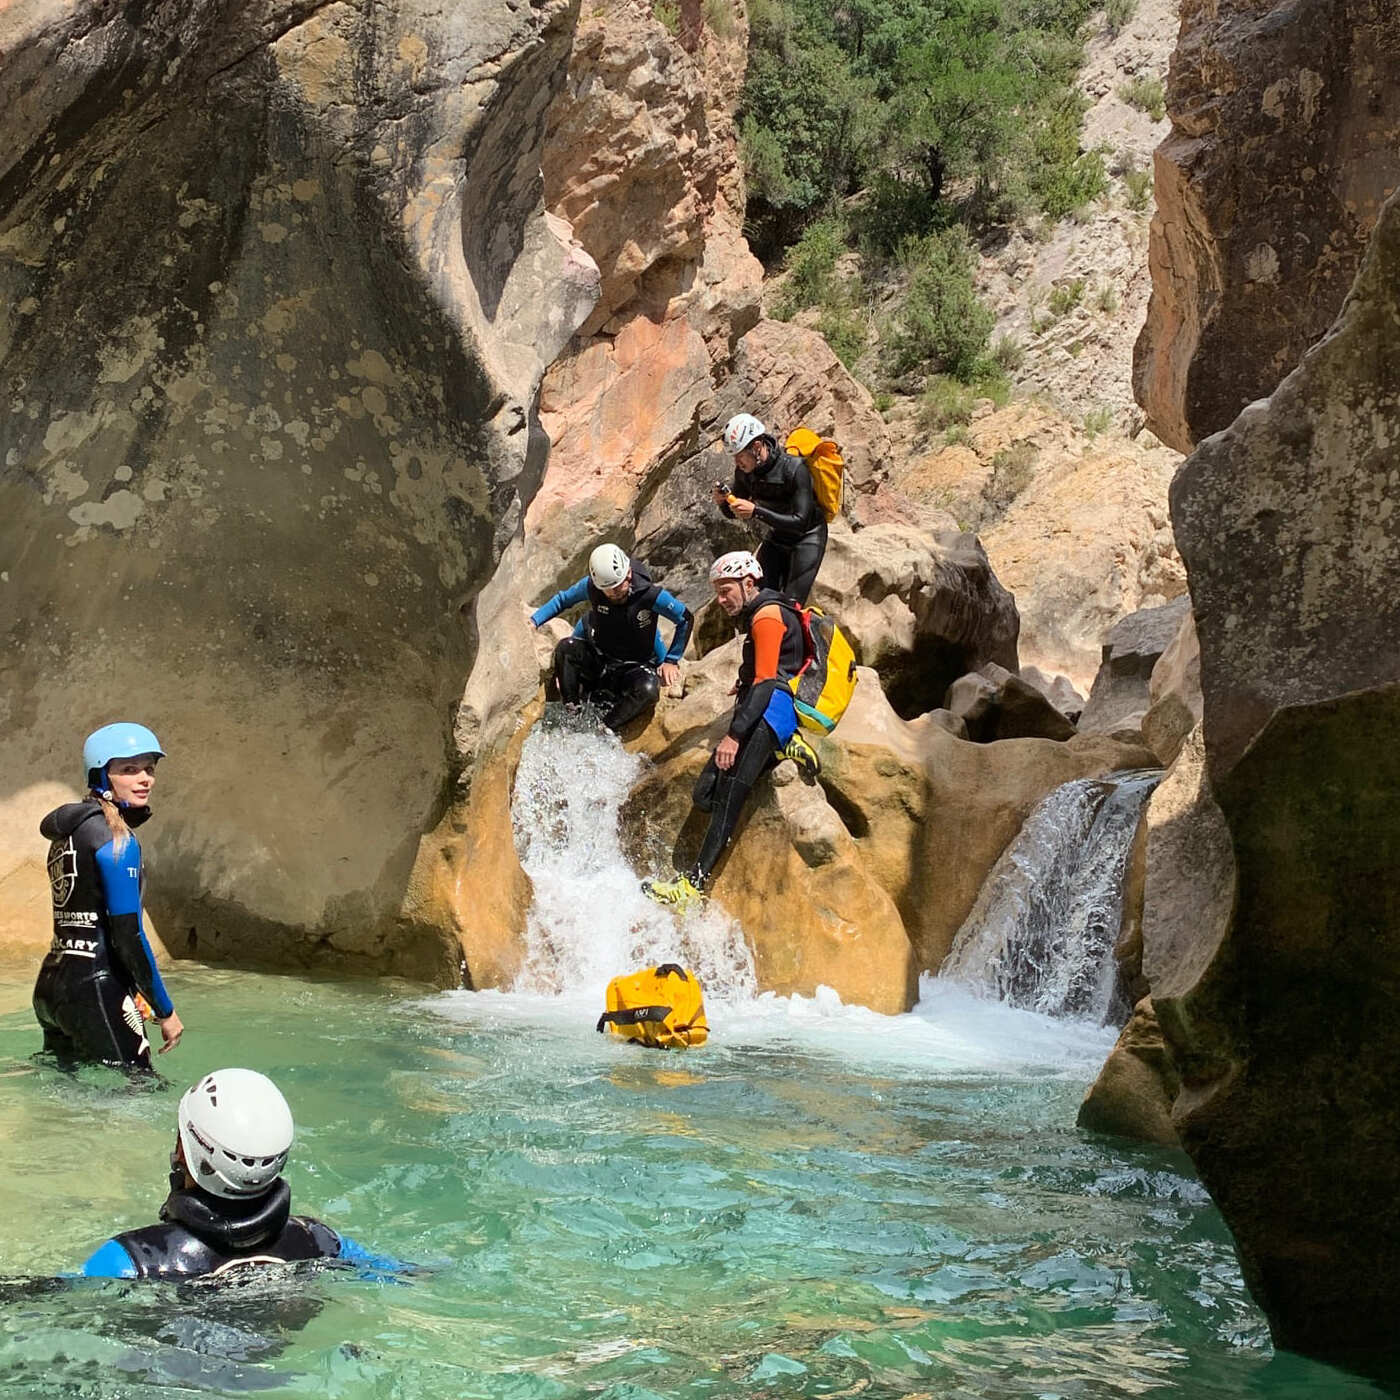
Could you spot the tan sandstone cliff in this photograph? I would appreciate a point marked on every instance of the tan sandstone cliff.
(277, 289)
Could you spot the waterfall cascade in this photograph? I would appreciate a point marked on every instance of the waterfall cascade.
(1042, 932)
(589, 919)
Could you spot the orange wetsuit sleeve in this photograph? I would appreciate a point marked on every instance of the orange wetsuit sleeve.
(767, 631)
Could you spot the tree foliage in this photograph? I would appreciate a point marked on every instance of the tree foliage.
(929, 111)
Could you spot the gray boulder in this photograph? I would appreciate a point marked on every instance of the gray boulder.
(1121, 697)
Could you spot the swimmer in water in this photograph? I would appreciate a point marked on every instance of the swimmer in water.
(229, 1207)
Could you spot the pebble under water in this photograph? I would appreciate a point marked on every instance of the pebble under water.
(821, 1202)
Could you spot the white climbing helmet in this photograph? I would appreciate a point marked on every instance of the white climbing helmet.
(607, 566)
(740, 431)
(236, 1130)
(738, 563)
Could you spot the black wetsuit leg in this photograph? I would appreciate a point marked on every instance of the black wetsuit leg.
(635, 688)
(774, 558)
(723, 793)
(804, 559)
(790, 566)
(578, 666)
(88, 1015)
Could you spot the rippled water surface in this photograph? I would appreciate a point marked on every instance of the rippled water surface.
(822, 1202)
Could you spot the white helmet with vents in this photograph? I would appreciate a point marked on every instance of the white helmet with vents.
(740, 431)
(607, 566)
(738, 563)
(236, 1130)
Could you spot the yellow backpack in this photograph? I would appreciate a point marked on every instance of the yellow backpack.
(826, 464)
(822, 689)
(658, 1006)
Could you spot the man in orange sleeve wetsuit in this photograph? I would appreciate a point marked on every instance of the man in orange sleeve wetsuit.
(763, 726)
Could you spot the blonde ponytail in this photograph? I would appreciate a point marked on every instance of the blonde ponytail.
(116, 823)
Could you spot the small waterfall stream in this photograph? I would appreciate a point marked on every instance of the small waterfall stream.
(1042, 932)
(589, 919)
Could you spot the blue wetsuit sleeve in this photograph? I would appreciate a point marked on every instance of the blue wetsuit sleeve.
(368, 1263)
(110, 1261)
(671, 607)
(565, 598)
(121, 886)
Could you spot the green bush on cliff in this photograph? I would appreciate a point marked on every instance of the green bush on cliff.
(942, 321)
(811, 266)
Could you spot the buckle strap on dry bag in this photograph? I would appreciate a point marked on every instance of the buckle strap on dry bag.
(633, 1016)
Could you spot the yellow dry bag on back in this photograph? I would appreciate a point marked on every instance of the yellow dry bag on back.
(825, 463)
(822, 689)
(658, 1006)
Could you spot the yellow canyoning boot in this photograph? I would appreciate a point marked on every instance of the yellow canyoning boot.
(678, 894)
(803, 755)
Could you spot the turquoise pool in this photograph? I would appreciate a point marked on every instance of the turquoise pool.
(822, 1202)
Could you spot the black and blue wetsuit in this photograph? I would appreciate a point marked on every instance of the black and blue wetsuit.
(616, 647)
(84, 997)
(201, 1235)
(784, 501)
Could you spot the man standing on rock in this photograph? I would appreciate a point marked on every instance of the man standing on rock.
(615, 656)
(763, 727)
(775, 489)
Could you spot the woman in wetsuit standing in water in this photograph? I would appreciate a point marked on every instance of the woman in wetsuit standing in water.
(100, 961)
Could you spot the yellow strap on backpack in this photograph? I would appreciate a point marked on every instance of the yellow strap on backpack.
(659, 1006)
(826, 465)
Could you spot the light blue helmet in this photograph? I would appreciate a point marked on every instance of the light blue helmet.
(115, 741)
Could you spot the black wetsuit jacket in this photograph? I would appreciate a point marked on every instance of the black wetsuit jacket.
(626, 631)
(97, 906)
(781, 490)
(752, 697)
(201, 1235)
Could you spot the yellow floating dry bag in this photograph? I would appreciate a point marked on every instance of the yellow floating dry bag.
(658, 1006)
(826, 465)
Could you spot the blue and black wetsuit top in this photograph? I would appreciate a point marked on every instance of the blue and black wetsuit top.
(625, 631)
(97, 902)
(200, 1235)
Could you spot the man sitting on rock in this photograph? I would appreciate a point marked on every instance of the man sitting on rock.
(615, 657)
(763, 727)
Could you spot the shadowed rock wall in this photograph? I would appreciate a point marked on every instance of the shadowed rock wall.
(276, 293)
(1285, 143)
(1271, 931)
